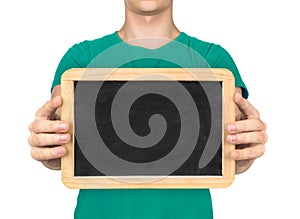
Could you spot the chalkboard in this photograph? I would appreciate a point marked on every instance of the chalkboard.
(148, 128)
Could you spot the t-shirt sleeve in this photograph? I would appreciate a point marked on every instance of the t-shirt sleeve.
(76, 57)
(222, 59)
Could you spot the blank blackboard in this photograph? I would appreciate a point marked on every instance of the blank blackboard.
(148, 128)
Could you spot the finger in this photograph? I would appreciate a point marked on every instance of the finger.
(248, 153)
(49, 108)
(247, 125)
(48, 126)
(42, 140)
(248, 138)
(242, 165)
(245, 106)
(42, 154)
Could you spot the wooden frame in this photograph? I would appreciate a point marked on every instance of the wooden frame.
(189, 74)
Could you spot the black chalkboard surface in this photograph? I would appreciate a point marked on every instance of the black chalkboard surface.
(148, 128)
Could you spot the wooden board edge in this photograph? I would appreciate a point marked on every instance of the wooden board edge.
(170, 182)
(229, 116)
(67, 114)
(117, 74)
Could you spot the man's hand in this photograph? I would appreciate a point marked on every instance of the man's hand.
(248, 133)
(47, 134)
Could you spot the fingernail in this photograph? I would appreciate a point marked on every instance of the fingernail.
(61, 150)
(235, 154)
(62, 126)
(63, 138)
(238, 95)
(233, 138)
(56, 100)
(231, 127)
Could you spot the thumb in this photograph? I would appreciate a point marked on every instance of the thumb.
(245, 106)
(49, 108)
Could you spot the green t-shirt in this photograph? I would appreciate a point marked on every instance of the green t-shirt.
(111, 52)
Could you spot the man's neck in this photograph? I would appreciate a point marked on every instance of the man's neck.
(150, 31)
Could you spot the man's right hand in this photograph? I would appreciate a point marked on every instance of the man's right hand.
(48, 133)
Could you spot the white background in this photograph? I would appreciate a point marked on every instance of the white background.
(262, 37)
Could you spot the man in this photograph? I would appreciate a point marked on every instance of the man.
(148, 27)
